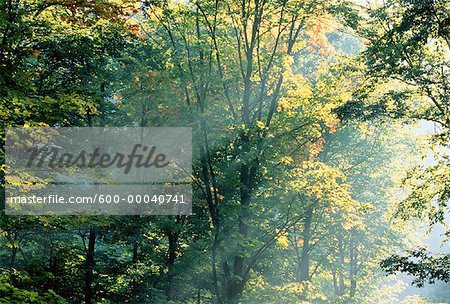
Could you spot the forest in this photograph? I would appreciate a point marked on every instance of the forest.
(320, 149)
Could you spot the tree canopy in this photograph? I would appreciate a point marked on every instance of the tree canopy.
(309, 173)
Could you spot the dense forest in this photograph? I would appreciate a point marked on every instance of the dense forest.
(320, 148)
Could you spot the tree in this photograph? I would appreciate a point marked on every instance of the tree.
(206, 39)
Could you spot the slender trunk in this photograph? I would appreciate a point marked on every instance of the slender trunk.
(342, 286)
(306, 235)
(135, 260)
(208, 180)
(214, 261)
(171, 256)
(52, 265)
(89, 273)
(353, 268)
(14, 249)
(335, 284)
(13, 257)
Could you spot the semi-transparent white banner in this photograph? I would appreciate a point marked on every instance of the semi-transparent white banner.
(123, 171)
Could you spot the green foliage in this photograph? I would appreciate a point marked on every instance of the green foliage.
(424, 267)
(15, 295)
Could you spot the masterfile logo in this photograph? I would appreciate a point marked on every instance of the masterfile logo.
(51, 157)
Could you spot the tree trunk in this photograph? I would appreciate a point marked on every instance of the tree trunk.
(335, 284)
(353, 268)
(306, 235)
(171, 256)
(13, 257)
(342, 286)
(236, 282)
(89, 273)
(135, 260)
